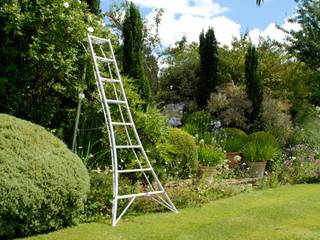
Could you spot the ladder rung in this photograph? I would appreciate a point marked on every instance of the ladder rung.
(128, 146)
(115, 101)
(97, 40)
(103, 59)
(109, 80)
(134, 170)
(139, 194)
(122, 123)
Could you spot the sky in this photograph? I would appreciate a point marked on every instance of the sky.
(229, 18)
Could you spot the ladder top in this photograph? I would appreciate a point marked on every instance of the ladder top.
(98, 41)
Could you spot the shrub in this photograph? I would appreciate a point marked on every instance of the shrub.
(197, 123)
(186, 157)
(43, 185)
(230, 105)
(235, 139)
(260, 146)
(210, 156)
(276, 119)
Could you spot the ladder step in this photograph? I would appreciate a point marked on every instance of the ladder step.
(97, 40)
(134, 170)
(109, 80)
(140, 194)
(128, 146)
(104, 59)
(122, 124)
(115, 101)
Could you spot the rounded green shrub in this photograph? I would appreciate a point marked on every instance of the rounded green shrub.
(186, 155)
(235, 139)
(43, 185)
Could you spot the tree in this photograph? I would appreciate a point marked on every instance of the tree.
(208, 51)
(42, 60)
(305, 42)
(94, 6)
(179, 78)
(133, 51)
(254, 86)
(259, 2)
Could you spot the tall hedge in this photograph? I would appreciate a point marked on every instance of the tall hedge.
(133, 51)
(43, 185)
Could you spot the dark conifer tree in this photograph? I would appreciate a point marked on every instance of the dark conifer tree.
(94, 6)
(208, 50)
(254, 85)
(133, 50)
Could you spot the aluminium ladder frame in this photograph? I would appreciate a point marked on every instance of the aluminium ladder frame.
(160, 196)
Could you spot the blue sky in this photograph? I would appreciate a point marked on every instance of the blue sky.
(229, 18)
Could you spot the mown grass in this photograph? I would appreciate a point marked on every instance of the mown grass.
(286, 213)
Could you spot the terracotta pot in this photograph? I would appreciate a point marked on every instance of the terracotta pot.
(256, 169)
(208, 172)
(232, 161)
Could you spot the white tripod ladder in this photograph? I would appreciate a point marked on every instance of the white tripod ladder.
(114, 101)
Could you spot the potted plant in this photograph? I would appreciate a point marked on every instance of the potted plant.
(234, 142)
(209, 157)
(259, 148)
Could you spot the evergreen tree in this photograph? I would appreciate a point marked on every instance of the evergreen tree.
(94, 6)
(254, 86)
(208, 51)
(133, 51)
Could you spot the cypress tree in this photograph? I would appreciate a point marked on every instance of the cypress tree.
(94, 6)
(133, 51)
(254, 85)
(208, 51)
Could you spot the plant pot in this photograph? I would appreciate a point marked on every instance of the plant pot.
(256, 169)
(232, 160)
(207, 171)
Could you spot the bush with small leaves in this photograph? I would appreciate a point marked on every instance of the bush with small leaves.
(186, 156)
(43, 185)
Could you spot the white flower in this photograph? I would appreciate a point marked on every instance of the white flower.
(294, 158)
(66, 4)
(79, 1)
(90, 29)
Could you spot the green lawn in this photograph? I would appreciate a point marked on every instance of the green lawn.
(291, 212)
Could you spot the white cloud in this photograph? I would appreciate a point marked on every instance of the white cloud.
(173, 28)
(205, 8)
(273, 32)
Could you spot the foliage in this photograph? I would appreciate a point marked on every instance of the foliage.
(260, 146)
(133, 50)
(43, 185)
(254, 86)
(208, 51)
(230, 105)
(186, 158)
(94, 6)
(276, 119)
(235, 139)
(180, 75)
(42, 60)
(307, 122)
(301, 165)
(198, 123)
(304, 42)
(210, 156)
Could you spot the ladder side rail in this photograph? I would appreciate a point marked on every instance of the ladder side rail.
(136, 133)
(112, 139)
(121, 113)
(133, 126)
